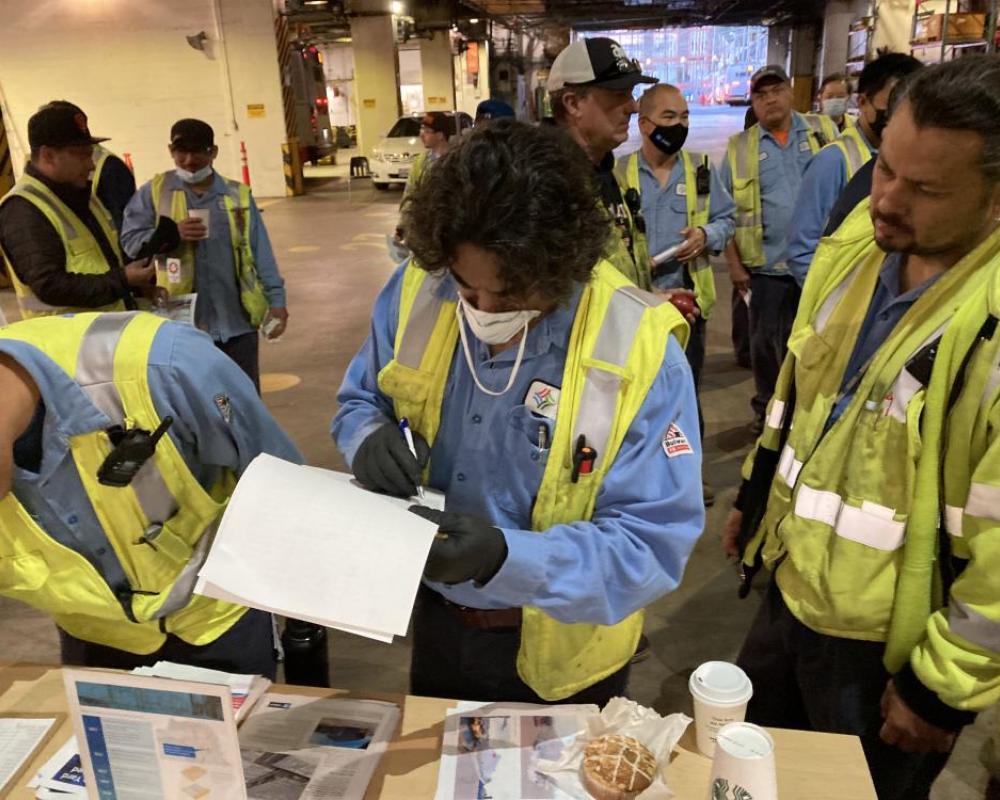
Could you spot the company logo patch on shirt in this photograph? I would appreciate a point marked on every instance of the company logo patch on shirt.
(804, 146)
(222, 403)
(542, 399)
(675, 443)
(762, 156)
(682, 188)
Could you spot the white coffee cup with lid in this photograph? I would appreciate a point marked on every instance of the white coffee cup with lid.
(720, 691)
(743, 766)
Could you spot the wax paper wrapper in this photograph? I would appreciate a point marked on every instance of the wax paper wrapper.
(659, 734)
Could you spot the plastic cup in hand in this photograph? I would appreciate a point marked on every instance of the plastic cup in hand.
(720, 691)
(743, 766)
(202, 214)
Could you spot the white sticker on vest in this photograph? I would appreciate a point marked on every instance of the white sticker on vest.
(173, 270)
(542, 399)
(675, 443)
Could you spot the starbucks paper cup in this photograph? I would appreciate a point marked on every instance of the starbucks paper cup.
(743, 766)
(720, 691)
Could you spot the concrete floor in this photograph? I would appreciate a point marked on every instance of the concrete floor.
(332, 253)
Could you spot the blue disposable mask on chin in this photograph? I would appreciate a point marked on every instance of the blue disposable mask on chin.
(194, 177)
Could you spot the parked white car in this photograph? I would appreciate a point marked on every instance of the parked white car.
(393, 156)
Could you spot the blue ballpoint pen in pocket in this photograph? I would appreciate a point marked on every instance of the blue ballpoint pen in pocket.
(404, 426)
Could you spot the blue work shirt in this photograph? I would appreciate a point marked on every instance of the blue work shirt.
(664, 208)
(781, 171)
(219, 310)
(189, 380)
(487, 459)
(886, 309)
(823, 182)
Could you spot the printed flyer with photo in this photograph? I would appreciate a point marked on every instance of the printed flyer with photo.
(145, 738)
(298, 747)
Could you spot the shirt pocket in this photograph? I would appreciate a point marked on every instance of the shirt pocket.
(521, 461)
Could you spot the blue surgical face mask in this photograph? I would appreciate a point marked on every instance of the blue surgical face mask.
(834, 106)
(194, 177)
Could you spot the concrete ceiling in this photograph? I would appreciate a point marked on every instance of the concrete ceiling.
(595, 14)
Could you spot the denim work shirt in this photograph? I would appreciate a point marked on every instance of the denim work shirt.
(219, 310)
(489, 456)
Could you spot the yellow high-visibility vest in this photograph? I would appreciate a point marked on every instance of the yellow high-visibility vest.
(697, 217)
(84, 255)
(615, 352)
(171, 201)
(159, 527)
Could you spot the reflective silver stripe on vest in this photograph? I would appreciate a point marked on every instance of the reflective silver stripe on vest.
(776, 414)
(973, 626)
(34, 304)
(95, 374)
(601, 388)
(953, 520)
(420, 325)
(870, 524)
(983, 502)
(832, 299)
(69, 229)
(855, 157)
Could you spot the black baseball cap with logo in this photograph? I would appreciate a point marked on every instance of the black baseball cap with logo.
(596, 62)
(192, 135)
(60, 124)
(772, 73)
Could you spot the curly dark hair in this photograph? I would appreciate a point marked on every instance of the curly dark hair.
(525, 194)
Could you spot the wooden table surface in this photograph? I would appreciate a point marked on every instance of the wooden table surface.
(811, 766)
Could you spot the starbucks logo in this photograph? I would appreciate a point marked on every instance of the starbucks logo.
(721, 790)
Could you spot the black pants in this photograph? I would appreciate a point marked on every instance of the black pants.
(773, 303)
(806, 680)
(246, 648)
(740, 329)
(452, 660)
(695, 352)
(245, 351)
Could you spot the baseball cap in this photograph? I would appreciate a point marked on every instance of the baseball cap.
(60, 124)
(772, 73)
(437, 121)
(192, 134)
(493, 109)
(596, 62)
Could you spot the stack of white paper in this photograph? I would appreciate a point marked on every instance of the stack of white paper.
(312, 544)
(245, 689)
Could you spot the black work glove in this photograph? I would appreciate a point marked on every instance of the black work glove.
(384, 462)
(467, 548)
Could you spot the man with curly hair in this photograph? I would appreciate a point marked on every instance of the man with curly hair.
(551, 402)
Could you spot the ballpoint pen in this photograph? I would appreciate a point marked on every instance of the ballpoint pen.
(404, 426)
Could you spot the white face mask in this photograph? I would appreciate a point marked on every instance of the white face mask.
(835, 106)
(493, 328)
(194, 177)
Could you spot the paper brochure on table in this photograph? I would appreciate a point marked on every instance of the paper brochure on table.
(145, 738)
(493, 749)
(314, 545)
(659, 734)
(61, 775)
(20, 737)
(297, 747)
(246, 690)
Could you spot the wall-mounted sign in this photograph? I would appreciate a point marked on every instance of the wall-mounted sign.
(256, 110)
(368, 102)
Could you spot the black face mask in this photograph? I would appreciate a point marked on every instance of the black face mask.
(881, 120)
(669, 138)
